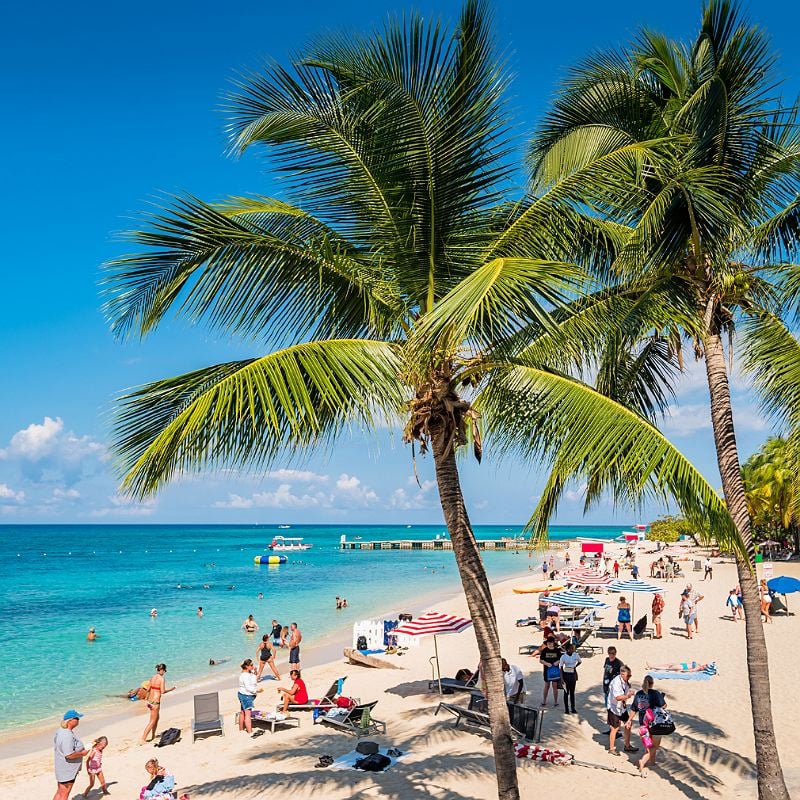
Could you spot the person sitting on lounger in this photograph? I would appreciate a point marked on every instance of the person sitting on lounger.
(296, 693)
(464, 676)
(686, 666)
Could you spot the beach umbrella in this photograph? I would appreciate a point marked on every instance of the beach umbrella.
(634, 587)
(589, 577)
(784, 584)
(573, 599)
(433, 623)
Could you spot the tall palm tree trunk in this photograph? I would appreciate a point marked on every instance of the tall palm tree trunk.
(771, 785)
(481, 609)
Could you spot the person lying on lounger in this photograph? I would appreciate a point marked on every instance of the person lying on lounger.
(686, 666)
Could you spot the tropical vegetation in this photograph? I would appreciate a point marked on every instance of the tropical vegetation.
(689, 151)
(669, 528)
(397, 279)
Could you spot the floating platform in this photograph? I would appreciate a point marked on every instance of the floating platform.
(432, 544)
(271, 560)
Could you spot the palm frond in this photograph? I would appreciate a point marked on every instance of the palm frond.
(583, 435)
(251, 266)
(249, 412)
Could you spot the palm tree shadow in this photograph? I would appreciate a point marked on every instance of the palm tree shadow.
(414, 688)
(407, 780)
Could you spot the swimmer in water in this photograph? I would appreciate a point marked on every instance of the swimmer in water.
(231, 587)
(250, 625)
(260, 595)
(91, 636)
(153, 613)
(213, 662)
(199, 611)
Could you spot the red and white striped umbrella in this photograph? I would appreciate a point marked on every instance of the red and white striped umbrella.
(432, 623)
(582, 576)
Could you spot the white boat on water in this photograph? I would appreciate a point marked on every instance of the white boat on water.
(285, 543)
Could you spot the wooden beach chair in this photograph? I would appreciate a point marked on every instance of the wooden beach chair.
(207, 719)
(352, 721)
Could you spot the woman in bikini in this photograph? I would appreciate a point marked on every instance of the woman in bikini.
(685, 666)
(157, 691)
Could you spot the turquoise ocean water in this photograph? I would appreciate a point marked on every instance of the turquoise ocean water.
(59, 580)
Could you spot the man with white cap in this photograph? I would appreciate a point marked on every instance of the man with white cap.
(69, 754)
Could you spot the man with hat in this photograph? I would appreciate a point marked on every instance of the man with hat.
(69, 754)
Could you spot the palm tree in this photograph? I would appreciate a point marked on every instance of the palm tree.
(771, 356)
(687, 149)
(394, 282)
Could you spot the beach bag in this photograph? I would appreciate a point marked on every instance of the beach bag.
(662, 724)
(169, 736)
(639, 627)
(345, 702)
(376, 762)
(361, 643)
(553, 673)
(367, 748)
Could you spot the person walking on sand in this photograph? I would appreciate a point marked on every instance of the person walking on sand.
(249, 625)
(656, 610)
(687, 612)
(568, 664)
(709, 569)
(624, 618)
(156, 692)
(616, 568)
(513, 681)
(94, 767)
(266, 655)
(618, 716)
(295, 637)
(248, 689)
(644, 702)
(734, 605)
(69, 753)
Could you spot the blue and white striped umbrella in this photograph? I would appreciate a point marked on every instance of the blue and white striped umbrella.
(633, 586)
(572, 599)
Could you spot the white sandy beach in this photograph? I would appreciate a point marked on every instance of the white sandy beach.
(710, 755)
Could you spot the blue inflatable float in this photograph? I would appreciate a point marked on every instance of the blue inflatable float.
(271, 560)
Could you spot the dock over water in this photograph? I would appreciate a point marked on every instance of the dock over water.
(431, 544)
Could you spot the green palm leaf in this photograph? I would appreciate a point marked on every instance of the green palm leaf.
(536, 414)
(250, 412)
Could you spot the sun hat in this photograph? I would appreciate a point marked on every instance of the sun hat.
(72, 714)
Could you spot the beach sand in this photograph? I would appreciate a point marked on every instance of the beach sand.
(710, 755)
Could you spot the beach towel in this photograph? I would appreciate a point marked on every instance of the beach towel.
(373, 652)
(669, 675)
(348, 760)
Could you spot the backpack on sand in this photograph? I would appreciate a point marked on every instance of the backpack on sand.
(361, 643)
(376, 762)
(169, 736)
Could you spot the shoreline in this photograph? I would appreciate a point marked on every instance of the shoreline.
(26, 738)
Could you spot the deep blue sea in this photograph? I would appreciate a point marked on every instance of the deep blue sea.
(57, 581)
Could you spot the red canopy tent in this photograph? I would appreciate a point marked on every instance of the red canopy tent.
(591, 547)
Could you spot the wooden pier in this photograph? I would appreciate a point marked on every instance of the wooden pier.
(431, 544)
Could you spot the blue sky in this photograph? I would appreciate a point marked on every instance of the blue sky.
(107, 105)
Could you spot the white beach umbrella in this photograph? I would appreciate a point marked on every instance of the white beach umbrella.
(434, 623)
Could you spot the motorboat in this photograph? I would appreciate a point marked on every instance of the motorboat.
(285, 543)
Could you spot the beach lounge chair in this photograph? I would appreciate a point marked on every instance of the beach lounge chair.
(327, 701)
(580, 640)
(526, 723)
(609, 631)
(351, 722)
(455, 685)
(207, 718)
(588, 620)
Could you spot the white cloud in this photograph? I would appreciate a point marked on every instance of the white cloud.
(7, 494)
(351, 490)
(282, 497)
(404, 500)
(574, 495)
(121, 506)
(690, 418)
(66, 494)
(296, 476)
(47, 452)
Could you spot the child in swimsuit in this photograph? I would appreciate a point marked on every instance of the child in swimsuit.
(94, 765)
